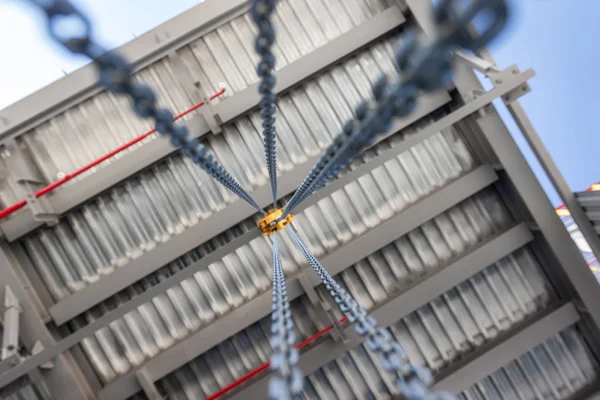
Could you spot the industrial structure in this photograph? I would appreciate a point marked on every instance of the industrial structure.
(128, 273)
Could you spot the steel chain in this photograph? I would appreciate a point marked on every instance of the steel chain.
(287, 381)
(412, 381)
(116, 75)
(424, 65)
(261, 11)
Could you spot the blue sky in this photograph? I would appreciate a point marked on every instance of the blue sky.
(555, 37)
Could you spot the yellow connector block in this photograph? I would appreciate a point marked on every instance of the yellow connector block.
(271, 223)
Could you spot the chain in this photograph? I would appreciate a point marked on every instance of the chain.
(116, 75)
(424, 65)
(412, 381)
(261, 11)
(287, 381)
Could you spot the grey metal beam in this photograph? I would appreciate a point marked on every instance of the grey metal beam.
(219, 222)
(531, 192)
(60, 379)
(75, 304)
(509, 350)
(419, 294)
(228, 109)
(557, 179)
(336, 262)
(142, 51)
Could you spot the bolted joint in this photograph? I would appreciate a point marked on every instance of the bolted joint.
(272, 222)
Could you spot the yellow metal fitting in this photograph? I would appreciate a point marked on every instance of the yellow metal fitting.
(271, 223)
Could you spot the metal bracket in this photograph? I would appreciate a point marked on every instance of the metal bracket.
(10, 334)
(25, 176)
(148, 385)
(209, 111)
(477, 63)
(323, 309)
(194, 89)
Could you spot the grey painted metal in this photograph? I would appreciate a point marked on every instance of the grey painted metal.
(420, 293)
(510, 349)
(559, 182)
(83, 300)
(256, 309)
(60, 379)
(336, 262)
(543, 213)
(452, 118)
(221, 221)
(148, 386)
(228, 109)
(10, 324)
(142, 51)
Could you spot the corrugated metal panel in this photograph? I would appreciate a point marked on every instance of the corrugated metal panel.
(175, 194)
(224, 57)
(242, 275)
(435, 335)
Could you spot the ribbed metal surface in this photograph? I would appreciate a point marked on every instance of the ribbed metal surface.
(590, 201)
(148, 209)
(436, 335)
(326, 226)
(223, 58)
(556, 369)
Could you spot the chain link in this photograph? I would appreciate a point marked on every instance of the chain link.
(116, 75)
(261, 11)
(424, 65)
(412, 381)
(287, 382)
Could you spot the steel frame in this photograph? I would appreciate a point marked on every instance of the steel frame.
(62, 377)
(141, 52)
(233, 214)
(419, 294)
(237, 212)
(130, 384)
(228, 109)
(336, 261)
(578, 298)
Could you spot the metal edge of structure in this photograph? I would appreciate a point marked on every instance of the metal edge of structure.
(569, 272)
(62, 378)
(63, 310)
(419, 294)
(228, 109)
(219, 222)
(142, 51)
(558, 181)
(336, 262)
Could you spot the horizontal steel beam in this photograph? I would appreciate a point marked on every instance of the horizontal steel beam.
(336, 262)
(142, 51)
(419, 294)
(510, 349)
(228, 109)
(219, 222)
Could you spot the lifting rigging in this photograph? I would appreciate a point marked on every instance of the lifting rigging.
(424, 64)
